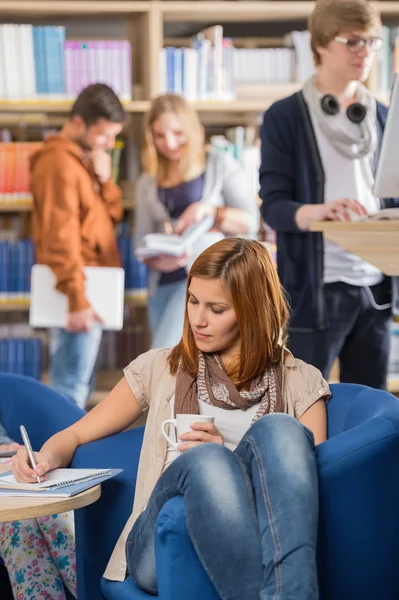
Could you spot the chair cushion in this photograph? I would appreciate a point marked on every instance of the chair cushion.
(175, 554)
(124, 590)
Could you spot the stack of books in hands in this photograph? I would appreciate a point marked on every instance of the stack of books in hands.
(155, 244)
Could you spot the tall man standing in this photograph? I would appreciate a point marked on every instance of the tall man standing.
(75, 208)
(319, 153)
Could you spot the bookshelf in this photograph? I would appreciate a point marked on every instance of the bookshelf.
(146, 25)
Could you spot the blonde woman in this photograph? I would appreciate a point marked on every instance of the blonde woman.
(181, 184)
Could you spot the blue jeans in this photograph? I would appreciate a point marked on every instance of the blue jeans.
(357, 333)
(251, 514)
(166, 314)
(73, 359)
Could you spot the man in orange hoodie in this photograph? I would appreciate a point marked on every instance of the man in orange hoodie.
(75, 208)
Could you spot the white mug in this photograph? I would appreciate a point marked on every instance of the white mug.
(182, 425)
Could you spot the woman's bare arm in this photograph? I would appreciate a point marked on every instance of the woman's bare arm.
(315, 418)
(114, 414)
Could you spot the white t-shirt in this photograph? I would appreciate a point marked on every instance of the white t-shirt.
(232, 424)
(346, 178)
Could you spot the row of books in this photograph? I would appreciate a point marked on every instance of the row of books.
(37, 63)
(202, 72)
(21, 356)
(213, 69)
(243, 145)
(264, 65)
(386, 63)
(118, 348)
(136, 272)
(18, 257)
(14, 170)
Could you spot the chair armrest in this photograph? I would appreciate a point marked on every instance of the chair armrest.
(99, 525)
(25, 401)
(180, 573)
(359, 524)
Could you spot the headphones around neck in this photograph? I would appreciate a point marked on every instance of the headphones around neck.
(356, 112)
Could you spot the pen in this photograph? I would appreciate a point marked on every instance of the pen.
(29, 450)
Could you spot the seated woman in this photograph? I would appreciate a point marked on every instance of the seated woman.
(39, 554)
(248, 480)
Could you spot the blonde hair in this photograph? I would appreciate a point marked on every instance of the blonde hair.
(193, 162)
(331, 17)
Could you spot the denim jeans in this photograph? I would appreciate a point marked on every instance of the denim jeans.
(166, 314)
(73, 359)
(251, 514)
(358, 334)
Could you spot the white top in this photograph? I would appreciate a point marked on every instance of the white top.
(353, 179)
(232, 424)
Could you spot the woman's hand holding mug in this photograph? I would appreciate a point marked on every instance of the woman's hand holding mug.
(192, 430)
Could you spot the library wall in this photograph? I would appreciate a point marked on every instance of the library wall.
(231, 115)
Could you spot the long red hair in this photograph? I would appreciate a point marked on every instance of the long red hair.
(247, 271)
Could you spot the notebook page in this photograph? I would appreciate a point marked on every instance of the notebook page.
(58, 477)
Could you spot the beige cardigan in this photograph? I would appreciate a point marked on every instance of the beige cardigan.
(153, 386)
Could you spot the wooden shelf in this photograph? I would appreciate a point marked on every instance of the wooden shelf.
(41, 8)
(273, 92)
(393, 384)
(128, 204)
(61, 107)
(194, 10)
(15, 208)
(130, 300)
(268, 10)
(14, 307)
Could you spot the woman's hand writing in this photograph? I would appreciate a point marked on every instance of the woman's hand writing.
(22, 470)
(202, 433)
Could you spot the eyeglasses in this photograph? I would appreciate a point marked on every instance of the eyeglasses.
(355, 44)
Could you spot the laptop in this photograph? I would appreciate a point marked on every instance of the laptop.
(387, 176)
(104, 288)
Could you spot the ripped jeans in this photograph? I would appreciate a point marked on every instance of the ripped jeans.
(251, 514)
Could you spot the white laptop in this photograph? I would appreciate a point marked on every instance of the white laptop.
(104, 288)
(387, 175)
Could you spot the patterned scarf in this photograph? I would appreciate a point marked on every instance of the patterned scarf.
(213, 386)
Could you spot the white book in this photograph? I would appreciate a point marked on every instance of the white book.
(29, 62)
(61, 483)
(162, 72)
(104, 288)
(55, 479)
(190, 75)
(155, 244)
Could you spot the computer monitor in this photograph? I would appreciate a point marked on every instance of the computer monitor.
(386, 183)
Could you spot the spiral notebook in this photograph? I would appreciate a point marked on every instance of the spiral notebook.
(60, 482)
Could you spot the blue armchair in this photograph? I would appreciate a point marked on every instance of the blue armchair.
(359, 496)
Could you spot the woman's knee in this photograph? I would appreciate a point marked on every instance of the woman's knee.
(141, 565)
(280, 429)
(209, 467)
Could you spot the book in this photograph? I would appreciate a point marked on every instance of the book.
(62, 483)
(155, 244)
(104, 288)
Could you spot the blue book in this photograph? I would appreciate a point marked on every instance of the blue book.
(60, 483)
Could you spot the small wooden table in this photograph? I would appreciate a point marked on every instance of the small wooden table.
(17, 508)
(377, 242)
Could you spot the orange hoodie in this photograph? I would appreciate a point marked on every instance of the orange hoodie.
(73, 216)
